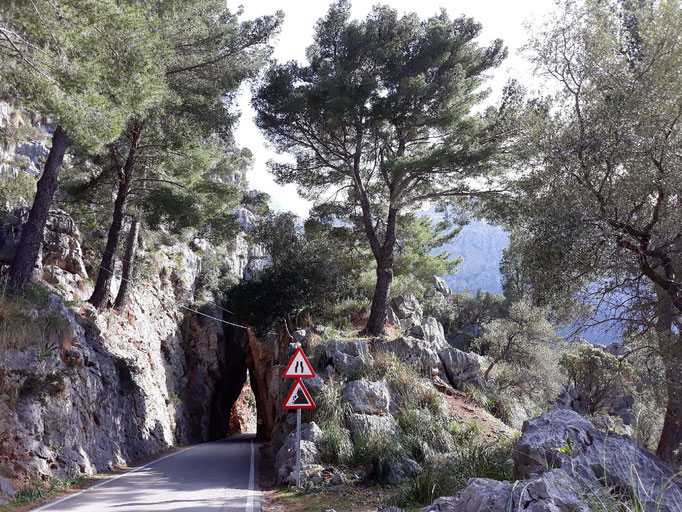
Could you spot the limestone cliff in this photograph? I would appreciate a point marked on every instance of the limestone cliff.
(116, 387)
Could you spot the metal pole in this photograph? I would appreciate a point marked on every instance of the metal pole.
(298, 448)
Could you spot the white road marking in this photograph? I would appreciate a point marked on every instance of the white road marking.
(249, 499)
(109, 480)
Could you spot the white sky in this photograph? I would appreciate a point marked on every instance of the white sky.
(503, 19)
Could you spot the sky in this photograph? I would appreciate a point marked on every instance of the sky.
(503, 19)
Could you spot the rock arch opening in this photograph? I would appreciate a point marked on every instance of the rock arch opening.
(240, 398)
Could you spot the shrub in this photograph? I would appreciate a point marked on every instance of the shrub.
(337, 447)
(18, 329)
(597, 373)
(374, 450)
(448, 475)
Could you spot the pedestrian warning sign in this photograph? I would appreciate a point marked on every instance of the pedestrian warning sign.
(298, 397)
(299, 366)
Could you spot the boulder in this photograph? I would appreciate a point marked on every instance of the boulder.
(407, 310)
(394, 471)
(441, 286)
(347, 356)
(430, 330)
(593, 457)
(460, 366)
(285, 461)
(61, 240)
(371, 425)
(554, 491)
(414, 352)
(6, 488)
(366, 397)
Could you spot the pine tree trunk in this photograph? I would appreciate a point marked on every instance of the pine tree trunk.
(29, 246)
(128, 265)
(670, 347)
(376, 323)
(100, 294)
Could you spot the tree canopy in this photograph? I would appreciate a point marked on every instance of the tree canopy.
(382, 111)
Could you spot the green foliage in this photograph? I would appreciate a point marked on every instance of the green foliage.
(375, 450)
(41, 491)
(516, 338)
(302, 276)
(336, 445)
(447, 475)
(460, 311)
(381, 112)
(598, 374)
(88, 64)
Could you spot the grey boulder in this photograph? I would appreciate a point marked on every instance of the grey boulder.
(347, 356)
(555, 491)
(594, 457)
(366, 397)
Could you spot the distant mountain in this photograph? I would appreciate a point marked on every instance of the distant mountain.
(480, 245)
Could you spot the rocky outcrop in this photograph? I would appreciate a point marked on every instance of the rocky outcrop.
(594, 457)
(366, 397)
(460, 366)
(119, 387)
(347, 356)
(441, 286)
(553, 491)
(61, 241)
(565, 464)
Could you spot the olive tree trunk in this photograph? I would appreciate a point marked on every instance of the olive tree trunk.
(670, 348)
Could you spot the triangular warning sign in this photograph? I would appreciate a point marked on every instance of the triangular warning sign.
(298, 397)
(299, 366)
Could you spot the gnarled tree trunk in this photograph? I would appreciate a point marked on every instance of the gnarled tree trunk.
(32, 236)
(670, 348)
(376, 324)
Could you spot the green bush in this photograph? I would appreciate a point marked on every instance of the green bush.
(448, 475)
(337, 447)
(373, 450)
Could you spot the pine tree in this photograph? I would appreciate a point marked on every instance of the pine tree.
(382, 111)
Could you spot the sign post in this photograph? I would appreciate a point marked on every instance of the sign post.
(298, 398)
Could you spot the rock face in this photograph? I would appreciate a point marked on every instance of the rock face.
(594, 469)
(119, 387)
(593, 457)
(61, 241)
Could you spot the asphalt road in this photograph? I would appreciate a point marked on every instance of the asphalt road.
(218, 476)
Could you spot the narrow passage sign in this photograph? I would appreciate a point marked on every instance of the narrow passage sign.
(298, 397)
(299, 366)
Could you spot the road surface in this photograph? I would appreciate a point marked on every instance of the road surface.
(218, 476)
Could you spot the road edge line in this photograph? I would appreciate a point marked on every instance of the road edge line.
(252, 478)
(111, 479)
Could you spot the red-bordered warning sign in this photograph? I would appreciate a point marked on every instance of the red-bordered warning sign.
(299, 366)
(298, 397)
